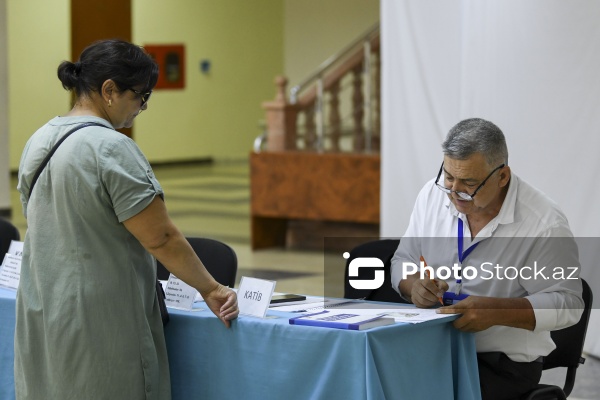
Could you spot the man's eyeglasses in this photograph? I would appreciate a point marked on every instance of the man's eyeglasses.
(464, 195)
(145, 96)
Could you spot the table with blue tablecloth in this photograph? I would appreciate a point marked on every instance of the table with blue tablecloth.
(271, 359)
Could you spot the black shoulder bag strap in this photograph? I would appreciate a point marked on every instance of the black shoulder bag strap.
(164, 313)
(51, 152)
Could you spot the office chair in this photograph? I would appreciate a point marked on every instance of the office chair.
(218, 258)
(8, 232)
(383, 249)
(569, 347)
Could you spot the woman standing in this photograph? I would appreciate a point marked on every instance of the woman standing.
(88, 324)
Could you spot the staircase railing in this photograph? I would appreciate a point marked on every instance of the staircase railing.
(315, 119)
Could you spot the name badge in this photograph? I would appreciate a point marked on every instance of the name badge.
(179, 294)
(254, 296)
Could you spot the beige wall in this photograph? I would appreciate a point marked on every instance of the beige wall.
(216, 115)
(38, 40)
(4, 171)
(317, 29)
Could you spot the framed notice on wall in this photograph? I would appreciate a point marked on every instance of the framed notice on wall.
(171, 64)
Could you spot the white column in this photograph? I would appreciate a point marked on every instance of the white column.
(4, 165)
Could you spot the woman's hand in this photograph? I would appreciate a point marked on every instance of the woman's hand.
(222, 301)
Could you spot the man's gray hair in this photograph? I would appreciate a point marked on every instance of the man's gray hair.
(476, 135)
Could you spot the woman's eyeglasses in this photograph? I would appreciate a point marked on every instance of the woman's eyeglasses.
(145, 96)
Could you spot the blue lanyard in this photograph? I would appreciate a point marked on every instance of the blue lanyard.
(461, 255)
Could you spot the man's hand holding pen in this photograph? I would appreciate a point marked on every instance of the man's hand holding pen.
(426, 293)
(423, 293)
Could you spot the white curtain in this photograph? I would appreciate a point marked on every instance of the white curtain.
(530, 66)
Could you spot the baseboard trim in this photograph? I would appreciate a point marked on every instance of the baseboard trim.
(191, 161)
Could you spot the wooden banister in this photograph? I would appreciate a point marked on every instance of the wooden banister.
(354, 59)
(281, 119)
(282, 114)
(304, 187)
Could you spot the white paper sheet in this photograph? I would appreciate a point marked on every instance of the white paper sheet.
(400, 313)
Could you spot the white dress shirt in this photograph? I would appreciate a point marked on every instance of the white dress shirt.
(527, 250)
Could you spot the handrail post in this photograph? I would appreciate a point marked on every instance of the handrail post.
(280, 119)
(319, 115)
(367, 99)
(335, 121)
(358, 109)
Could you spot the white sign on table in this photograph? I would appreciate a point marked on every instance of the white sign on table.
(254, 296)
(179, 294)
(15, 248)
(10, 271)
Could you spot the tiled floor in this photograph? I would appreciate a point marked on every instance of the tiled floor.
(213, 200)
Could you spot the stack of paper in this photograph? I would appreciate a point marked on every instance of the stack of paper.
(341, 320)
(407, 313)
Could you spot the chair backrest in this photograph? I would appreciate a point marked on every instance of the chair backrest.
(8, 232)
(569, 341)
(218, 258)
(383, 249)
(568, 352)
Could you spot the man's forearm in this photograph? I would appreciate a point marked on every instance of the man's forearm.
(513, 312)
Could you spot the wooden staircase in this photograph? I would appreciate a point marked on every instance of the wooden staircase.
(315, 173)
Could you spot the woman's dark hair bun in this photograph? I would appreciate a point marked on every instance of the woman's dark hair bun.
(67, 74)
